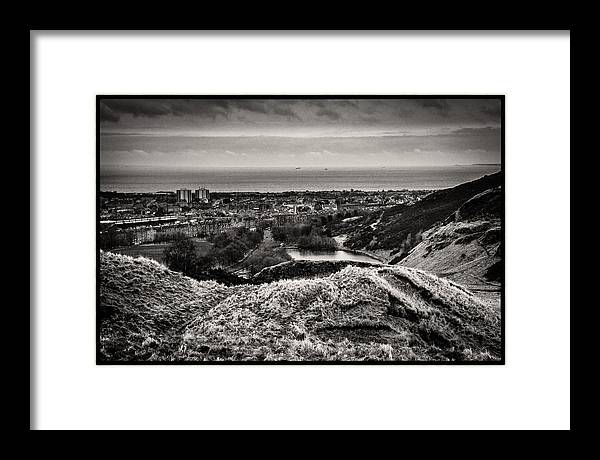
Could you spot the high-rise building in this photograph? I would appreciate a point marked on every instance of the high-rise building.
(203, 194)
(184, 195)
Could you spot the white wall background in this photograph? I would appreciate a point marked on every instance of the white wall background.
(531, 391)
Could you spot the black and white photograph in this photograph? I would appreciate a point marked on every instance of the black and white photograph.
(300, 229)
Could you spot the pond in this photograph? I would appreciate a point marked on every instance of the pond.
(334, 256)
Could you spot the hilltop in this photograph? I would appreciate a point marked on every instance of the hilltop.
(144, 307)
(147, 312)
(303, 269)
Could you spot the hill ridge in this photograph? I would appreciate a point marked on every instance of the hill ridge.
(395, 224)
(150, 313)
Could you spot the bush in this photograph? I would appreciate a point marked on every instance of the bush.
(232, 245)
(181, 256)
(217, 274)
(115, 238)
(166, 237)
(291, 232)
(266, 256)
(317, 242)
(494, 272)
(231, 253)
(228, 248)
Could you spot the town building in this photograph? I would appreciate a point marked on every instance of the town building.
(184, 195)
(202, 194)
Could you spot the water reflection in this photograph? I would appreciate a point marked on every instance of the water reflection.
(334, 256)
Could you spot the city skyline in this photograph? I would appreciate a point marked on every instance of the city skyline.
(213, 133)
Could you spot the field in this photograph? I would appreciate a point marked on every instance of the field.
(155, 251)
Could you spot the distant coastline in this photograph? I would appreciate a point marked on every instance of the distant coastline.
(282, 180)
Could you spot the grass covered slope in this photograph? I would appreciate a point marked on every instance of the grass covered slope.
(144, 307)
(395, 224)
(377, 313)
(303, 269)
(466, 248)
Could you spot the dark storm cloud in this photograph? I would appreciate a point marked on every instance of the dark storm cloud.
(283, 132)
(299, 132)
(151, 108)
(491, 110)
(285, 112)
(339, 102)
(349, 103)
(332, 104)
(111, 110)
(189, 112)
(405, 113)
(249, 105)
(107, 114)
(328, 113)
(326, 109)
(441, 106)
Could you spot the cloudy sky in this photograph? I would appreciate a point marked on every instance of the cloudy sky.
(205, 133)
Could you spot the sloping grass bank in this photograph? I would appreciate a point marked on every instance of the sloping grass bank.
(378, 313)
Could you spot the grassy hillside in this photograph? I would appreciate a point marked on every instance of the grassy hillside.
(303, 269)
(395, 224)
(144, 307)
(466, 248)
(147, 312)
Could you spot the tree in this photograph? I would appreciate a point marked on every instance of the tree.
(317, 241)
(279, 234)
(114, 238)
(181, 255)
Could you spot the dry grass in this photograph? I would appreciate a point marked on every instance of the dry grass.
(144, 307)
(374, 314)
(462, 252)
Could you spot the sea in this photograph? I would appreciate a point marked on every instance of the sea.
(138, 179)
